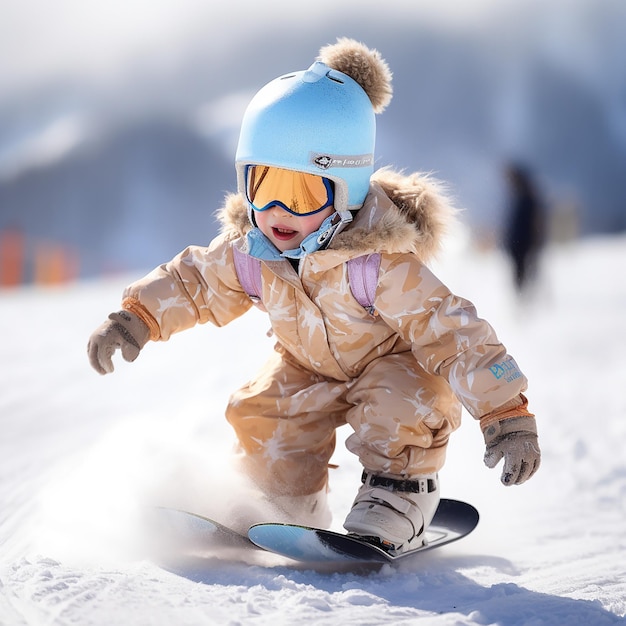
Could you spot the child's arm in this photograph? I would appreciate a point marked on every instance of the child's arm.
(449, 339)
(199, 285)
(447, 336)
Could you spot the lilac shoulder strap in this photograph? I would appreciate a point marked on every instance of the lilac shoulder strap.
(362, 276)
(248, 270)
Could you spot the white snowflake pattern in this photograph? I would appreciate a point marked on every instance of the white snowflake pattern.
(171, 303)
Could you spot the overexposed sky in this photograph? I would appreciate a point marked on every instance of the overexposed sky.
(73, 37)
(40, 39)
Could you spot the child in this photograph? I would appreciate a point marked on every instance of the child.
(397, 372)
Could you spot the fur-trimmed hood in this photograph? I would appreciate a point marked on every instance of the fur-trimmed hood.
(402, 213)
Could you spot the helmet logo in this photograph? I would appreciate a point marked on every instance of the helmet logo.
(326, 161)
(323, 161)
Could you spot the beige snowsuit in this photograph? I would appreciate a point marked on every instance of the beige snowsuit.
(398, 378)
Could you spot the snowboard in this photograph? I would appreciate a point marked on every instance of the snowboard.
(453, 520)
(183, 531)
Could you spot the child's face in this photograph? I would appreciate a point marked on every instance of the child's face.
(287, 231)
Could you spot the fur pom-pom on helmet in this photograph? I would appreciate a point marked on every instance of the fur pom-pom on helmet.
(364, 65)
(320, 120)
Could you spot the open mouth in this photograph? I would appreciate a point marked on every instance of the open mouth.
(283, 234)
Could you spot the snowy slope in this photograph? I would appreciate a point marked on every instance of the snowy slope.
(81, 456)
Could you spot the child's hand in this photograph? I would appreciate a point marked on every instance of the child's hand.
(515, 440)
(123, 330)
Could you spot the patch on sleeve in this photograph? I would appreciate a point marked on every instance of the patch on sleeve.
(506, 370)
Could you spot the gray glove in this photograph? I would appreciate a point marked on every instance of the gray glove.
(515, 440)
(123, 330)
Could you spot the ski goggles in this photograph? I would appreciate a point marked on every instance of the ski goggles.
(298, 193)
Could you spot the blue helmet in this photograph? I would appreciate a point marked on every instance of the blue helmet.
(319, 121)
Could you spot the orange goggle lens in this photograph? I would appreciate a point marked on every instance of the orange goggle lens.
(297, 192)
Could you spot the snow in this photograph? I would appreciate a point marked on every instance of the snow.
(82, 456)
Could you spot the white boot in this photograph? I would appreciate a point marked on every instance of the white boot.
(394, 511)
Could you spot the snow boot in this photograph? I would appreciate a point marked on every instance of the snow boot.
(394, 512)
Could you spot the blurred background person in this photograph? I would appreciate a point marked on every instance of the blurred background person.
(525, 229)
